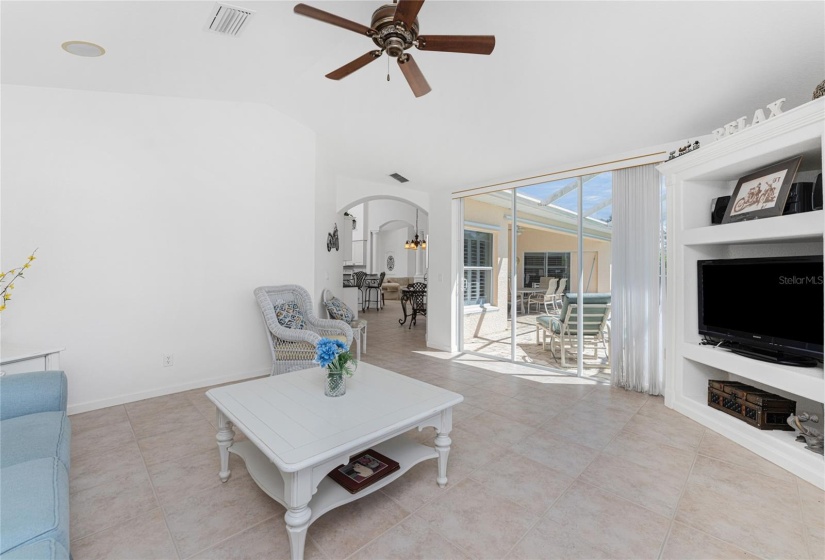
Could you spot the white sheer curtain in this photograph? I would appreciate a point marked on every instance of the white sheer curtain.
(637, 324)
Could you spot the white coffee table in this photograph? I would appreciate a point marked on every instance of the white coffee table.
(297, 435)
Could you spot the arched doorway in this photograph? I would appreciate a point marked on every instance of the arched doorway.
(381, 228)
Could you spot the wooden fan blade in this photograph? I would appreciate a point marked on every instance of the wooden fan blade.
(356, 64)
(326, 17)
(414, 76)
(471, 44)
(407, 11)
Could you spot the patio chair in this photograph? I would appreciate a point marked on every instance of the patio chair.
(292, 329)
(556, 299)
(337, 309)
(551, 283)
(595, 310)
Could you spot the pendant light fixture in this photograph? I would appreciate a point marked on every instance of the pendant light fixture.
(416, 242)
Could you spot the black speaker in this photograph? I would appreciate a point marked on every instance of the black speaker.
(817, 194)
(717, 209)
(801, 199)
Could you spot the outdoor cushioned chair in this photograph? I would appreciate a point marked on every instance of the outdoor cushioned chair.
(550, 284)
(595, 310)
(292, 329)
(337, 309)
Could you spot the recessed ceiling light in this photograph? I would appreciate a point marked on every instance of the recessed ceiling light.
(83, 48)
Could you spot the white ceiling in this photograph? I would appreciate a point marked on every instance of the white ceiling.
(567, 82)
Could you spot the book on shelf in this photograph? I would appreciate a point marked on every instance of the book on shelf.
(364, 469)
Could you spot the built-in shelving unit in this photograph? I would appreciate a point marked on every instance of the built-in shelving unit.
(693, 181)
(793, 228)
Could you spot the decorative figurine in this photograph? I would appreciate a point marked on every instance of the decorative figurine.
(687, 148)
(807, 433)
(820, 90)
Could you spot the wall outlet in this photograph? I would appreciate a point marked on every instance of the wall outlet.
(168, 360)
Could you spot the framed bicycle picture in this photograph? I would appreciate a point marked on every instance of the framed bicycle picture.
(763, 193)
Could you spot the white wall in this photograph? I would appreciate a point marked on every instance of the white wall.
(328, 264)
(155, 218)
(354, 191)
(442, 284)
(383, 212)
(395, 221)
(392, 241)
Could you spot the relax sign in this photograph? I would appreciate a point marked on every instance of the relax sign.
(739, 125)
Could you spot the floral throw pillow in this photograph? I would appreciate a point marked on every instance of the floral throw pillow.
(339, 310)
(289, 315)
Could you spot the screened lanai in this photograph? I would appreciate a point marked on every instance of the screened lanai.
(550, 264)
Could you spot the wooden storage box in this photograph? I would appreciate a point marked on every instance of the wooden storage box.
(758, 408)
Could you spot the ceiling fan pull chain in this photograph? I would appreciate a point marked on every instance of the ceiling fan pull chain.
(388, 69)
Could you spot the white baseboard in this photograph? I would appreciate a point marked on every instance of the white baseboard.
(123, 399)
(440, 347)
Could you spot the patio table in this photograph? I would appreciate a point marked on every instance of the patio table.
(529, 291)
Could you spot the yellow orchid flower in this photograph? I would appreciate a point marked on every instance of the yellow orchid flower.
(11, 286)
(6, 297)
(2, 307)
(31, 258)
(12, 271)
(27, 265)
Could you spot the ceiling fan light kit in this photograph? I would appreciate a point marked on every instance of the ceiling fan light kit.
(394, 30)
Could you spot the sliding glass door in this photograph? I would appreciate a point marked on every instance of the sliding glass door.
(560, 255)
(486, 326)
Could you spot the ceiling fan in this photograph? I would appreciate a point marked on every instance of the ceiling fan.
(394, 29)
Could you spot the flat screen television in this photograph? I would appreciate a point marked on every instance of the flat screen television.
(765, 308)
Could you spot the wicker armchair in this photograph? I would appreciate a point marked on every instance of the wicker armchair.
(292, 348)
(359, 326)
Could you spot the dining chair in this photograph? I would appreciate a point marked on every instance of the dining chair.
(373, 286)
(360, 277)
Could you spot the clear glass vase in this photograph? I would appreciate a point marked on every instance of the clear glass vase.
(336, 384)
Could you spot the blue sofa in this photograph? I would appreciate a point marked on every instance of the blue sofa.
(35, 435)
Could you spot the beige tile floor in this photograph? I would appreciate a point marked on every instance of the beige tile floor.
(542, 466)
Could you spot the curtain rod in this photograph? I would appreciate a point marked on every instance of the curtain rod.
(565, 171)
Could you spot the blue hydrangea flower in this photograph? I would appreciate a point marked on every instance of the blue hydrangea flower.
(327, 350)
(335, 356)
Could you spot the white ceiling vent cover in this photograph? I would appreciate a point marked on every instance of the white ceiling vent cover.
(228, 20)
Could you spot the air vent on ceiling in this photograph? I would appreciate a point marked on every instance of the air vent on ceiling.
(228, 20)
(399, 178)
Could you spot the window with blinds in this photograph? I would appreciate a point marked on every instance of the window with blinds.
(478, 269)
(537, 265)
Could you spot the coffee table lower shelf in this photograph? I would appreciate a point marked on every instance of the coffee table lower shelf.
(330, 494)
